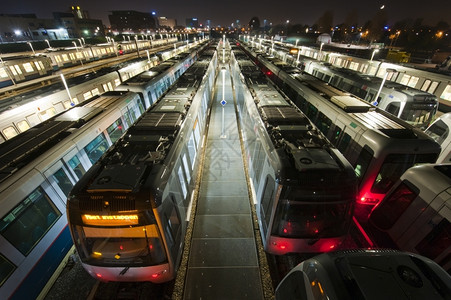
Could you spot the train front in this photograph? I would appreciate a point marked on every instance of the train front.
(116, 232)
(314, 208)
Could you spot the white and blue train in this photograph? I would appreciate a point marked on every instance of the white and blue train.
(39, 168)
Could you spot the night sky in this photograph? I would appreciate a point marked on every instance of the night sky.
(226, 12)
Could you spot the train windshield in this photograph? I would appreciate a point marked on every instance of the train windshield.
(419, 115)
(394, 166)
(304, 214)
(120, 246)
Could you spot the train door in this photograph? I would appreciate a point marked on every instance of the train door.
(60, 179)
(437, 243)
(265, 206)
(172, 223)
(77, 163)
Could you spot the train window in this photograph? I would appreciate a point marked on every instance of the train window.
(433, 87)
(64, 57)
(9, 132)
(393, 206)
(47, 114)
(3, 73)
(437, 241)
(393, 108)
(62, 180)
(6, 269)
(363, 162)
(13, 70)
(323, 123)
(292, 287)
(95, 92)
(27, 223)
(354, 66)
(394, 166)
(425, 85)
(439, 131)
(187, 168)
(182, 181)
(23, 125)
(96, 148)
(344, 143)
(100, 245)
(39, 66)
(76, 166)
(311, 112)
(267, 200)
(446, 93)
(413, 81)
(117, 81)
(115, 130)
(258, 161)
(58, 59)
(28, 67)
(72, 56)
(192, 149)
(87, 95)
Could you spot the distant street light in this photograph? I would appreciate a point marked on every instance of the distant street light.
(31, 46)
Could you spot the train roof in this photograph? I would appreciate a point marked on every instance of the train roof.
(16, 153)
(288, 128)
(146, 144)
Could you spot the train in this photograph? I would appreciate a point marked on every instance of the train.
(128, 214)
(304, 188)
(38, 170)
(439, 130)
(427, 80)
(412, 105)
(365, 274)
(21, 112)
(379, 146)
(16, 69)
(416, 213)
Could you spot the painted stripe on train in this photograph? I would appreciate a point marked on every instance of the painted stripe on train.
(35, 281)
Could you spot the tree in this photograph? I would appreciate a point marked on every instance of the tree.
(254, 24)
(325, 22)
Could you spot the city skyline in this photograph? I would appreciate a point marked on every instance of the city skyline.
(224, 14)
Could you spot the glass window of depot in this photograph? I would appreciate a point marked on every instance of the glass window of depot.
(6, 269)
(76, 166)
(26, 224)
(96, 148)
(116, 130)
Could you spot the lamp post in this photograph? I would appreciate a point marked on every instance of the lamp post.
(67, 89)
(83, 39)
(31, 46)
(223, 102)
(376, 98)
(297, 40)
(374, 52)
(320, 50)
